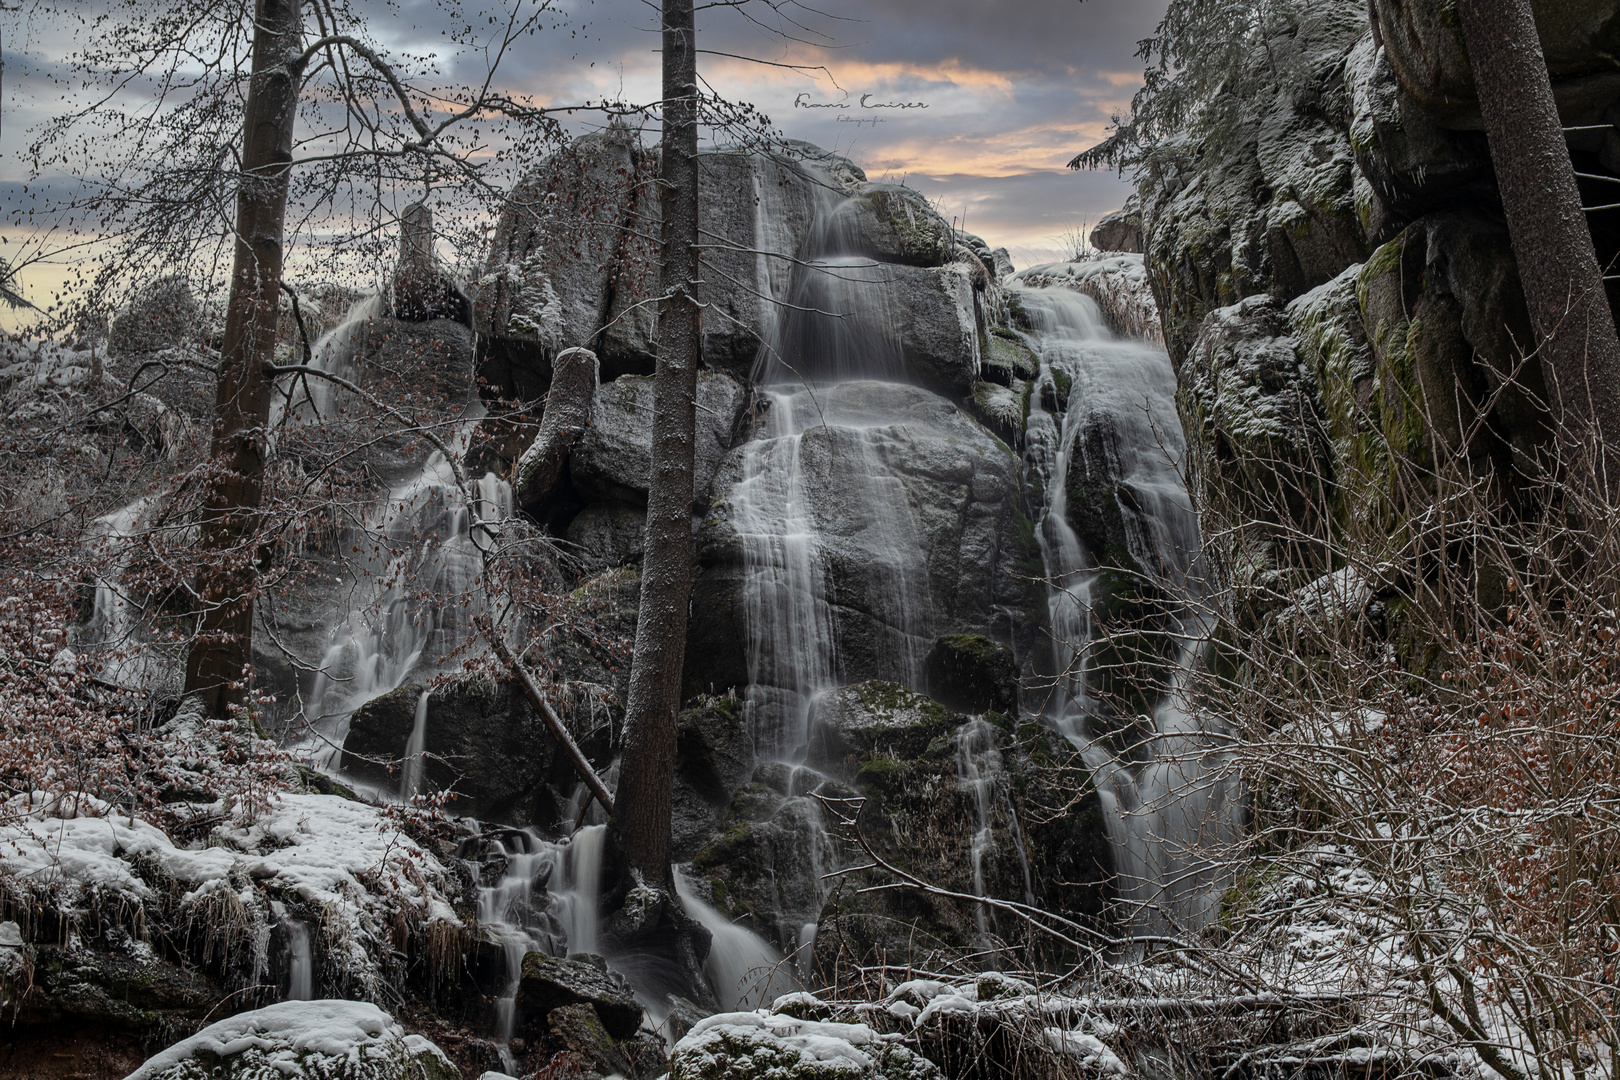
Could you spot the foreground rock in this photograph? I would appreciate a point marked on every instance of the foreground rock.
(302, 1040)
(767, 1046)
(549, 983)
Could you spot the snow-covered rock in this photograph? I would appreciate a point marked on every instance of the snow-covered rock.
(302, 1040)
(347, 861)
(763, 1045)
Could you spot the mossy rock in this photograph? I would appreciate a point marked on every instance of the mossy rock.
(971, 673)
(548, 983)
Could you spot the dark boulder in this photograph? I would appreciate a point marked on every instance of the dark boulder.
(548, 983)
(972, 674)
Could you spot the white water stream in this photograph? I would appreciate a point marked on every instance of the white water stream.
(1169, 804)
(300, 963)
(411, 580)
(545, 902)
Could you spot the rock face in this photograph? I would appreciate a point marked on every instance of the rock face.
(972, 674)
(1120, 230)
(569, 409)
(1253, 404)
(613, 460)
(914, 762)
(939, 327)
(483, 741)
(960, 486)
(574, 261)
(895, 224)
(552, 261)
(1427, 51)
(1364, 307)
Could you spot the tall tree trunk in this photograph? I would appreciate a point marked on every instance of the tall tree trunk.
(228, 542)
(1569, 310)
(647, 767)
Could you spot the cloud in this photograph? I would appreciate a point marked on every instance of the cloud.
(1012, 88)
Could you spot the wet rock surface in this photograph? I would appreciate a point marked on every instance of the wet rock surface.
(960, 485)
(549, 983)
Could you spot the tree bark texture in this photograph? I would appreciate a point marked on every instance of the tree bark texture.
(1552, 243)
(228, 539)
(647, 767)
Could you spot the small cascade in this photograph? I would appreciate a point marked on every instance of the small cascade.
(978, 762)
(418, 561)
(981, 773)
(1163, 813)
(419, 552)
(112, 632)
(839, 322)
(743, 970)
(545, 902)
(410, 781)
(576, 904)
(508, 915)
(300, 962)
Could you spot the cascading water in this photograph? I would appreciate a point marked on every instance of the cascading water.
(419, 554)
(1165, 813)
(410, 779)
(743, 970)
(977, 763)
(818, 455)
(982, 773)
(112, 632)
(560, 921)
(300, 963)
(826, 529)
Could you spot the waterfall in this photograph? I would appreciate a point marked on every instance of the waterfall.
(415, 572)
(410, 781)
(977, 763)
(560, 921)
(300, 963)
(744, 971)
(820, 453)
(1164, 815)
(982, 773)
(840, 316)
(419, 553)
(582, 884)
(112, 632)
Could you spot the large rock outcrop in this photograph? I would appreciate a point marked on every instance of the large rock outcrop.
(1337, 289)
(961, 491)
(574, 261)
(574, 264)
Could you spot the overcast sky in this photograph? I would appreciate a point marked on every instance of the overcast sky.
(1003, 92)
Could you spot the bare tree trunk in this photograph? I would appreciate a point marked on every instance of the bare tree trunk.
(1580, 354)
(228, 540)
(646, 771)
